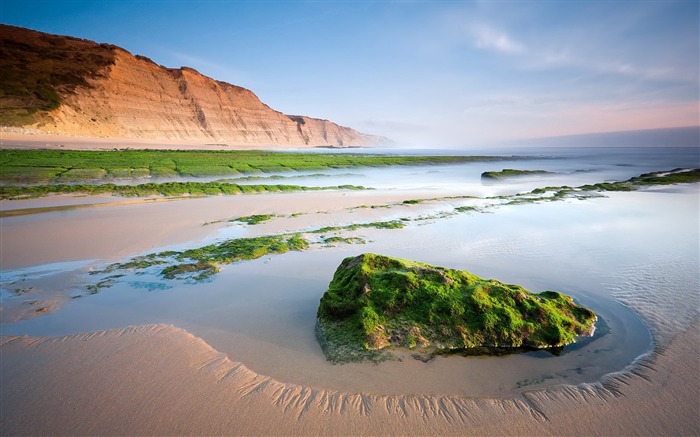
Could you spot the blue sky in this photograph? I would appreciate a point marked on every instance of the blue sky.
(420, 72)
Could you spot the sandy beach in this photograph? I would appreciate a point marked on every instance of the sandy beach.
(17, 138)
(126, 382)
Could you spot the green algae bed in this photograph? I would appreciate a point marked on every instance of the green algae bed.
(671, 177)
(68, 166)
(167, 189)
(375, 302)
(203, 262)
(255, 219)
(509, 173)
(675, 176)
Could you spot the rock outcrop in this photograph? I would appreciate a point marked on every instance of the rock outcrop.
(375, 301)
(69, 86)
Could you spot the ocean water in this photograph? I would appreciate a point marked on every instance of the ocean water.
(631, 257)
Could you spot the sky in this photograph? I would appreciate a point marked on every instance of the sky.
(443, 73)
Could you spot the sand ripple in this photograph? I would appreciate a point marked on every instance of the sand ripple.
(232, 388)
(666, 293)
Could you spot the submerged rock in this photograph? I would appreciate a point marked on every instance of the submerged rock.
(375, 302)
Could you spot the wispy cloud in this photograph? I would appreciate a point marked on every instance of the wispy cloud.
(552, 58)
(490, 38)
(597, 51)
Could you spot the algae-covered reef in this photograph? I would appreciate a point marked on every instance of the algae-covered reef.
(675, 176)
(167, 189)
(375, 301)
(509, 173)
(72, 166)
(203, 262)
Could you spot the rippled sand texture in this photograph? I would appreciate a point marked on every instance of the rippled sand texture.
(127, 382)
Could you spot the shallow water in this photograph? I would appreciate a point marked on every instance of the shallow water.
(639, 249)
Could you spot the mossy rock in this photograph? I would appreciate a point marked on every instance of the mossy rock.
(510, 172)
(376, 302)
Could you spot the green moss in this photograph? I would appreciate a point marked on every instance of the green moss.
(466, 209)
(106, 282)
(245, 249)
(676, 176)
(44, 165)
(345, 240)
(375, 301)
(254, 219)
(390, 224)
(167, 189)
(138, 263)
(196, 271)
(509, 172)
(202, 262)
(609, 186)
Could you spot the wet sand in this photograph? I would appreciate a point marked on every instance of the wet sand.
(116, 228)
(127, 382)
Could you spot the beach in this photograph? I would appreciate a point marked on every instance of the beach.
(160, 380)
(237, 354)
(22, 138)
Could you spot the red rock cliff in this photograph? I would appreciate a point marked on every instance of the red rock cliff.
(105, 91)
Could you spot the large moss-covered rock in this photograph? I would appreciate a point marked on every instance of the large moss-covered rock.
(375, 301)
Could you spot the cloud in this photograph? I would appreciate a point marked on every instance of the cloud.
(631, 70)
(550, 56)
(553, 58)
(580, 46)
(490, 38)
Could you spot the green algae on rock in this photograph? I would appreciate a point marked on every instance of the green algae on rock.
(375, 302)
(510, 172)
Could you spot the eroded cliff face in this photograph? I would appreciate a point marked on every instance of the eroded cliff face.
(133, 97)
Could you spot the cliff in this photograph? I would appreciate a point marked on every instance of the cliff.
(375, 302)
(70, 86)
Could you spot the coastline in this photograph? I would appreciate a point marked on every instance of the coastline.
(23, 140)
